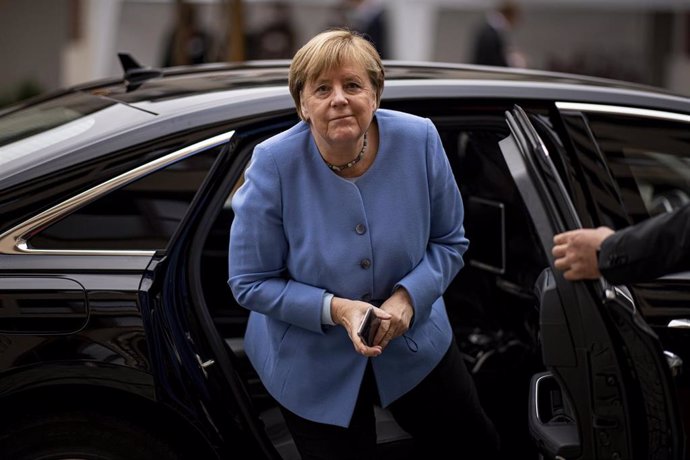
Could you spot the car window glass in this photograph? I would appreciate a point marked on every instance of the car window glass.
(140, 216)
(47, 116)
(49, 130)
(649, 160)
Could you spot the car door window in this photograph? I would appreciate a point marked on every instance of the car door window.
(649, 160)
(142, 215)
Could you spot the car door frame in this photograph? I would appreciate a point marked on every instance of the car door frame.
(175, 283)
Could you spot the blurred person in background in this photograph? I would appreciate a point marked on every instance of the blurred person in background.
(493, 42)
(369, 18)
(188, 43)
(276, 38)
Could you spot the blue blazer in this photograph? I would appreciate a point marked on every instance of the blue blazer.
(300, 231)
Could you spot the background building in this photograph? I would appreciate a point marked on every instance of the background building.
(48, 44)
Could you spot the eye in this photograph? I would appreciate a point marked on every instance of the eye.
(353, 86)
(321, 90)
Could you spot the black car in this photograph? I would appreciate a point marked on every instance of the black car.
(119, 336)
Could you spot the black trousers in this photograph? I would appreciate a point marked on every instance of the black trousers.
(442, 413)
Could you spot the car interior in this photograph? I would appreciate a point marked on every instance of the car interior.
(491, 303)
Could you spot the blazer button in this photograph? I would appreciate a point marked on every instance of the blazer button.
(361, 229)
(365, 263)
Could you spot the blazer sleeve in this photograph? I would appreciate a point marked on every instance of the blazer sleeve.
(258, 249)
(647, 250)
(447, 243)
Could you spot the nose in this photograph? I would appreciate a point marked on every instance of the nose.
(339, 96)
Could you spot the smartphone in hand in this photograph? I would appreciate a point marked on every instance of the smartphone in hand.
(368, 327)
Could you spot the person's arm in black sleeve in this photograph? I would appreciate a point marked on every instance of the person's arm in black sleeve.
(652, 248)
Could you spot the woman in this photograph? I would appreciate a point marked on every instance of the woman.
(352, 207)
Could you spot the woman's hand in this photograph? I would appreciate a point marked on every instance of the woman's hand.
(399, 306)
(349, 314)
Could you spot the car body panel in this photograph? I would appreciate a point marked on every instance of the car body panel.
(43, 305)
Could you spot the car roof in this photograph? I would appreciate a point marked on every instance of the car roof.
(177, 89)
(179, 81)
(257, 79)
(203, 94)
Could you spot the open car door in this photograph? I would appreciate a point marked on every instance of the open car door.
(608, 391)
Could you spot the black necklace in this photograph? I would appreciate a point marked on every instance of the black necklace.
(350, 163)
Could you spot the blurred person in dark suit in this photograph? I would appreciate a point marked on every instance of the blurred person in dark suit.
(188, 43)
(368, 17)
(492, 44)
(276, 39)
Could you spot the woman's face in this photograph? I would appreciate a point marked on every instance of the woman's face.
(339, 105)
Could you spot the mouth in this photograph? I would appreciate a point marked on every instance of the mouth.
(341, 117)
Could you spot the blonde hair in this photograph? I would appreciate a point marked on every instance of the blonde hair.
(329, 50)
